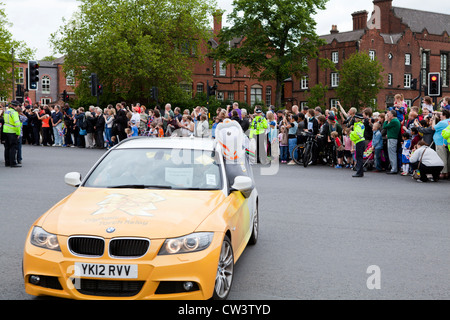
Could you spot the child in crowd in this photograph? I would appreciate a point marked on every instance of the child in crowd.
(348, 148)
(415, 137)
(339, 149)
(406, 153)
(160, 129)
(284, 146)
(128, 132)
(153, 132)
(377, 145)
(134, 129)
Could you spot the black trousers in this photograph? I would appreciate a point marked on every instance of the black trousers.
(359, 155)
(424, 170)
(11, 143)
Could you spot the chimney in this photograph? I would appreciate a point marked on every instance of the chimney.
(217, 21)
(360, 20)
(334, 29)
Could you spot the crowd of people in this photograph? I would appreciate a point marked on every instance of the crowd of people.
(398, 140)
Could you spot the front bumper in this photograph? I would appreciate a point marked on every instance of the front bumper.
(159, 277)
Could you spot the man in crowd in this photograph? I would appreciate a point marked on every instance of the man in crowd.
(392, 125)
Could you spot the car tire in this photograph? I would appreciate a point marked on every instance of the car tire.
(255, 228)
(225, 271)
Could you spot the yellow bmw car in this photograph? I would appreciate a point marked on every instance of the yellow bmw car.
(162, 218)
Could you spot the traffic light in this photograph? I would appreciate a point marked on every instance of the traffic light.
(211, 90)
(414, 84)
(93, 84)
(65, 96)
(434, 84)
(99, 89)
(154, 93)
(19, 90)
(33, 75)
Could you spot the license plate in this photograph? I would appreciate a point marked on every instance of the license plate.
(112, 271)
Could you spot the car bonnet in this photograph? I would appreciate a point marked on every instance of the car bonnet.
(131, 212)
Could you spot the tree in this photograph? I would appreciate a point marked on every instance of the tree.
(317, 96)
(360, 81)
(278, 37)
(7, 45)
(134, 45)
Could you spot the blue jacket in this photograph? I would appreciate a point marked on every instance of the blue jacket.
(377, 140)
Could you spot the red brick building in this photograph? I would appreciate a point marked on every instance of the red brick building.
(408, 43)
(232, 84)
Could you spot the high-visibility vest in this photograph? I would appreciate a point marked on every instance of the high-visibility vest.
(357, 135)
(12, 122)
(446, 135)
(258, 126)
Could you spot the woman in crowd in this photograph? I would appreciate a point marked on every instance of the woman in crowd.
(441, 144)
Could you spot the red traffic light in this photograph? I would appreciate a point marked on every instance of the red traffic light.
(433, 78)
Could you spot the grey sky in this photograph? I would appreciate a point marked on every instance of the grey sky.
(36, 32)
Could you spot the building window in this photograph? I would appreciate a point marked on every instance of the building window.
(304, 83)
(407, 59)
(256, 94)
(334, 79)
(425, 66)
(70, 79)
(200, 87)
(303, 105)
(46, 101)
(407, 82)
(372, 54)
(245, 94)
(20, 76)
(214, 68)
(222, 68)
(444, 69)
(390, 79)
(231, 95)
(268, 95)
(408, 102)
(220, 95)
(334, 103)
(335, 56)
(46, 85)
(186, 87)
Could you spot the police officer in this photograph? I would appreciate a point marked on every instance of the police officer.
(11, 131)
(357, 137)
(257, 130)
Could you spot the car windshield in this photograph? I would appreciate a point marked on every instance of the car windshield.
(157, 168)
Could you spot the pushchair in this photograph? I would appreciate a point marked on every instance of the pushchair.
(369, 157)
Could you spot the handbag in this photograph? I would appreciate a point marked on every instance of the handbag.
(83, 132)
(416, 173)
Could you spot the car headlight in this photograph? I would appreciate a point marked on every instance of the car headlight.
(190, 243)
(43, 239)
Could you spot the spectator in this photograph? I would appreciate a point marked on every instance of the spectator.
(377, 146)
(90, 130)
(235, 107)
(427, 104)
(446, 103)
(441, 144)
(348, 148)
(368, 132)
(284, 144)
(245, 122)
(99, 128)
(406, 153)
(392, 125)
(57, 119)
(46, 135)
(427, 161)
(273, 147)
(202, 127)
(109, 120)
(339, 149)
(292, 125)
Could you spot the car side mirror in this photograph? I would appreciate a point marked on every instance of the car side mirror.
(73, 179)
(243, 184)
